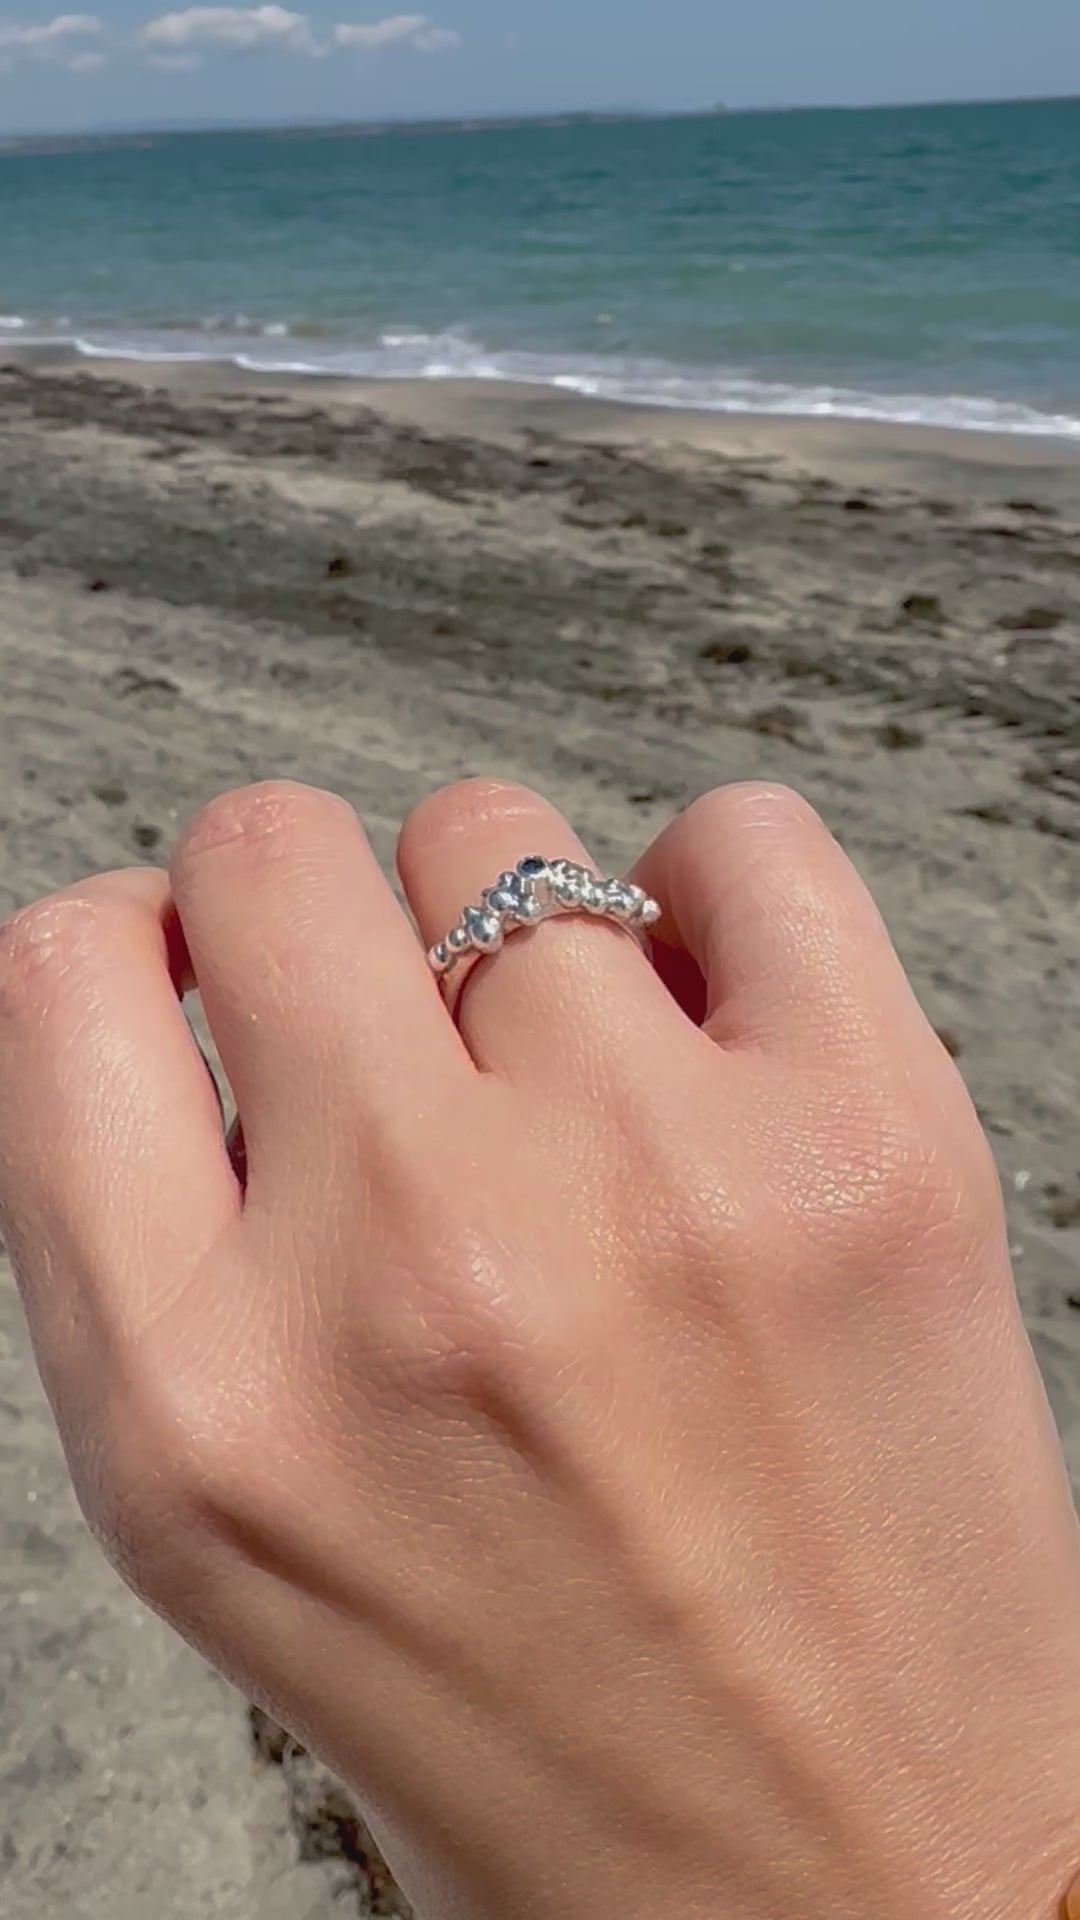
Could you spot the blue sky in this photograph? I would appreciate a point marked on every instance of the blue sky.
(133, 62)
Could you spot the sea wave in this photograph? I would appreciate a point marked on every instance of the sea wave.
(405, 354)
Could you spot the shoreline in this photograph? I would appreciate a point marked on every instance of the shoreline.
(500, 395)
(505, 408)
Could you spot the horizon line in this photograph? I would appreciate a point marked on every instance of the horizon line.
(479, 122)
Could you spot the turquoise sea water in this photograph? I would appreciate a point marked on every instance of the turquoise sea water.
(918, 263)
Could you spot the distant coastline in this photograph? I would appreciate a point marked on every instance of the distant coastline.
(333, 129)
(147, 136)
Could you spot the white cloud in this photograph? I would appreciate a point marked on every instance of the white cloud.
(239, 29)
(402, 29)
(66, 26)
(57, 41)
(437, 40)
(381, 33)
(176, 42)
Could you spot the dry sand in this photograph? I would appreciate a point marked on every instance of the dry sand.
(206, 580)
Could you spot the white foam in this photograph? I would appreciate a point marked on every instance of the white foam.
(404, 354)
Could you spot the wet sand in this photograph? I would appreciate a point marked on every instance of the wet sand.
(207, 579)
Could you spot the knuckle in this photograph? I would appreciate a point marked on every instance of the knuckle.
(171, 1486)
(710, 1243)
(460, 1327)
(762, 805)
(468, 805)
(144, 1521)
(892, 1185)
(136, 1497)
(952, 1195)
(262, 819)
(680, 1178)
(43, 946)
(902, 1192)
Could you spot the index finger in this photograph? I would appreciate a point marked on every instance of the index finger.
(114, 1174)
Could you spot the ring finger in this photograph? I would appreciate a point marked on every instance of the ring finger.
(562, 998)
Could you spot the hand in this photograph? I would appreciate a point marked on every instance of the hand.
(603, 1428)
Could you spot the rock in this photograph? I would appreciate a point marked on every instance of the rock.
(727, 653)
(131, 680)
(1035, 620)
(1064, 1207)
(777, 723)
(994, 812)
(1058, 829)
(923, 606)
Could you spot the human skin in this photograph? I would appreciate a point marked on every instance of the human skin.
(600, 1423)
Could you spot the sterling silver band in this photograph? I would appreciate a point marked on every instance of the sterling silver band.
(537, 890)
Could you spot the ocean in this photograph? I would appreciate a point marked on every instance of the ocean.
(914, 264)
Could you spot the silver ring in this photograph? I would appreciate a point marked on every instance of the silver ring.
(537, 890)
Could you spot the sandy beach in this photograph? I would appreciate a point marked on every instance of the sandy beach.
(207, 579)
